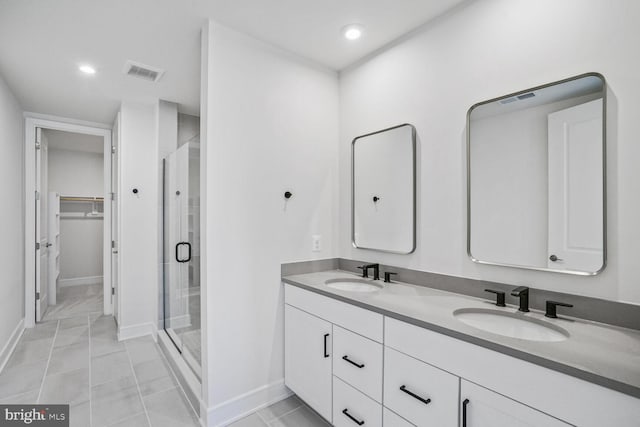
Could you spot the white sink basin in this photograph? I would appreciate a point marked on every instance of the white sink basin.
(353, 285)
(514, 325)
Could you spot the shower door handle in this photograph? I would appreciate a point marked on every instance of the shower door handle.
(188, 258)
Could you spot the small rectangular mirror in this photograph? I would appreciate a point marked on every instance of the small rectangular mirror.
(536, 178)
(384, 190)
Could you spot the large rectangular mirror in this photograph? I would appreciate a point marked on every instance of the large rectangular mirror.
(384, 190)
(536, 178)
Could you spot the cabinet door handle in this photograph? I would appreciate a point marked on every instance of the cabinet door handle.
(357, 365)
(325, 346)
(352, 418)
(464, 412)
(415, 396)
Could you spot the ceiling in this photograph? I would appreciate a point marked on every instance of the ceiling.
(43, 42)
(70, 141)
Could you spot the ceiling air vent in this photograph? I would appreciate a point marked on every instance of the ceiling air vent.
(142, 71)
(526, 96)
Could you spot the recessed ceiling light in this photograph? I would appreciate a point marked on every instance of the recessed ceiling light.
(352, 32)
(87, 69)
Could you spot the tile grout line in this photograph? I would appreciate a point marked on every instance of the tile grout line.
(135, 378)
(270, 423)
(90, 370)
(179, 385)
(46, 369)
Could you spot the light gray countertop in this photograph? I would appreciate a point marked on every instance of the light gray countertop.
(602, 354)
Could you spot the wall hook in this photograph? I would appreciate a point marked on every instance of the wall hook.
(135, 191)
(376, 199)
(288, 194)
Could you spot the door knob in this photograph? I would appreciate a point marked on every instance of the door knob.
(554, 258)
(48, 245)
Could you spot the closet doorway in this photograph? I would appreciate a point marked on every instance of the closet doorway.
(68, 200)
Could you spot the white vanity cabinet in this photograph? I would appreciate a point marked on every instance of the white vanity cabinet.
(308, 358)
(319, 332)
(397, 374)
(483, 408)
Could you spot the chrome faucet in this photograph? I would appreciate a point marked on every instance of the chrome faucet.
(522, 292)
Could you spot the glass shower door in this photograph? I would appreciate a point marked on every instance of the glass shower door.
(182, 251)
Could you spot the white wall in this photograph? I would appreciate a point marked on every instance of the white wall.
(139, 267)
(78, 173)
(11, 216)
(271, 125)
(480, 51)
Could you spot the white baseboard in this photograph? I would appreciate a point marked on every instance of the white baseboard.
(139, 330)
(78, 281)
(10, 346)
(245, 404)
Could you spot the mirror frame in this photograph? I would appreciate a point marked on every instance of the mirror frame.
(604, 176)
(353, 189)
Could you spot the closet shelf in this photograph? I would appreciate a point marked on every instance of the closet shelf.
(81, 199)
(76, 215)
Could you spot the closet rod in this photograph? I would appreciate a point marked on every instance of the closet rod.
(81, 199)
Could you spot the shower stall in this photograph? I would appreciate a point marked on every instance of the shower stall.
(181, 249)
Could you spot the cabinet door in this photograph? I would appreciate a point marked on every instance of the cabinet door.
(482, 407)
(308, 358)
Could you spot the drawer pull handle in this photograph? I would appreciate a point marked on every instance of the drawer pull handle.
(358, 365)
(325, 346)
(412, 394)
(464, 412)
(352, 418)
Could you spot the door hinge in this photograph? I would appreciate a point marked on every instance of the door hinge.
(38, 138)
(113, 196)
(37, 246)
(37, 295)
(113, 291)
(113, 149)
(113, 244)
(37, 195)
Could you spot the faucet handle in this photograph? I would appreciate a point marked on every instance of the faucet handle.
(387, 276)
(365, 271)
(499, 297)
(552, 306)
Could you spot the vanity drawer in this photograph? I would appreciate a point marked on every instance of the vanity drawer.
(418, 392)
(391, 419)
(356, 319)
(352, 408)
(358, 361)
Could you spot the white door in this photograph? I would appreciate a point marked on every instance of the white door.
(42, 244)
(481, 407)
(53, 218)
(307, 359)
(576, 188)
(115, 150)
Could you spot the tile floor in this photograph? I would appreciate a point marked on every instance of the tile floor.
(78, 360)
(291, 412)
(74, 357)
(76, 301)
